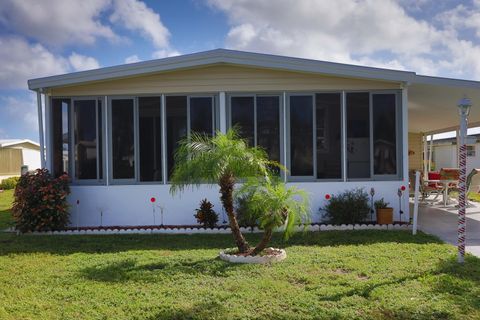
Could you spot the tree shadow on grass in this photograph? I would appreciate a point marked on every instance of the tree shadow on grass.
(65, 245)
(132, 270)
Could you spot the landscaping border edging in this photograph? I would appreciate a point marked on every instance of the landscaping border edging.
(219, 230)
(253, 259)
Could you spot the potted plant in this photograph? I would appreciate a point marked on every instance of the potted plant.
(384, 212)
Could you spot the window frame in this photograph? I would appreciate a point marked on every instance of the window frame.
(50, 149)
(136, 169)
(215, 122)
(398, 137)
(100, 135)
(281, 112)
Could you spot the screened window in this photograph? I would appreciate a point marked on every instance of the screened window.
(301, 135)
(328, 135)
(243, 117)
(176, 109)
(149, 121)
(358, 135)
(184, 113)
(384, 134)
(87, 123)
(258, 119)
(60, 112)
(123, 139)
(201, 115)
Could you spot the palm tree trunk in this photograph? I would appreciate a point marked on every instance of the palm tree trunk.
(267, 235)
(227, 183)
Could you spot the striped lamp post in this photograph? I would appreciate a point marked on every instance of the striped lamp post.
(463, 110)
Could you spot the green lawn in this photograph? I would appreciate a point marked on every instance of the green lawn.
(341, 275)
(6, 198)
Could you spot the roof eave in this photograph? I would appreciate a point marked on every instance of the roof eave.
(222, 56)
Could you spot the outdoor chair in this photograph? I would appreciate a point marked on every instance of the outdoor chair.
(425, 188)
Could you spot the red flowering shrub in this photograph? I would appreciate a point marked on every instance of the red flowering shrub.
(40, 202)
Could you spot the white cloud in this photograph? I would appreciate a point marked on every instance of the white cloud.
(21, 110)
(164, 53)
(134, 15)
(22, 61)
(57, 22)
(80, 62)
(376, 33)
(132, 59)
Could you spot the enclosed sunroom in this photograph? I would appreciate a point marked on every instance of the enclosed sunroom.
(334, 127)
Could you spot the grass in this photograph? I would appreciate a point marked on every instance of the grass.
(327, 275)
(6, 198)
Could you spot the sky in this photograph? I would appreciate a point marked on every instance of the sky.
(49, 37)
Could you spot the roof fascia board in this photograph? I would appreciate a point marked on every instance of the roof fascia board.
(220, 56)
(439, 81)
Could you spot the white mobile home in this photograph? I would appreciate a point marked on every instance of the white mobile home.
(334, 126)
(15, 153)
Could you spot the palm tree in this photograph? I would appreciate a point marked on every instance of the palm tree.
(222, 159)
(274, 205)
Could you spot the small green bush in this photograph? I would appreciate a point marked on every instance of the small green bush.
(9, 183)
(205, 215)
(40, 202)
(381, 204)
(348, 207)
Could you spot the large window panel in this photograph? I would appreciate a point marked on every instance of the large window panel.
(384, 134)
(268, 125)
(243, 116)
(123, 139)
(86, 140)
(358, 135)
(201, 115)
(60, 136)
(176, 114)
(149, 121)
(301, 135)
(329, 135)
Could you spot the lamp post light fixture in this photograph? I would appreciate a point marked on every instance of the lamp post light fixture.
(464, 106)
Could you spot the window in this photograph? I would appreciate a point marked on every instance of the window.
(384, 134)
(60, 112)
(470, 151)
(329, 135)
(258, 120)
(150, 134)
(123, 139)
(184, 113)
(301, 135)
(87, 141)
(243, 117)
(358, 135)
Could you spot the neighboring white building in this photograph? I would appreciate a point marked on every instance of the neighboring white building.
(334, 126)
(445, 154)
(15, 153)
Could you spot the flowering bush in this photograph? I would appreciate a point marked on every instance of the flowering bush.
(40, 202)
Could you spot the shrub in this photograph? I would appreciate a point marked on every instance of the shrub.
(205, 215)
(350, 206)
(381, 204)
(9, 183)
(40, 202)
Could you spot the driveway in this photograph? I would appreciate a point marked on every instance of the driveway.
(442, 222)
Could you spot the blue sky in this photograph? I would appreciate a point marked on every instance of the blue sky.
(41, 38)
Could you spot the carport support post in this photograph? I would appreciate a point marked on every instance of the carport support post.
(463, 110)
(40, 129)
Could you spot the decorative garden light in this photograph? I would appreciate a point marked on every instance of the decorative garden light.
(463, 110)
(400, 196)
(152, 200)
(372, 211)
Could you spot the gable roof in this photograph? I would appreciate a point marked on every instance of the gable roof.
(14, 142)
(222, 56)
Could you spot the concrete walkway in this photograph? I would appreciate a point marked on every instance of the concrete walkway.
(442, 222)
